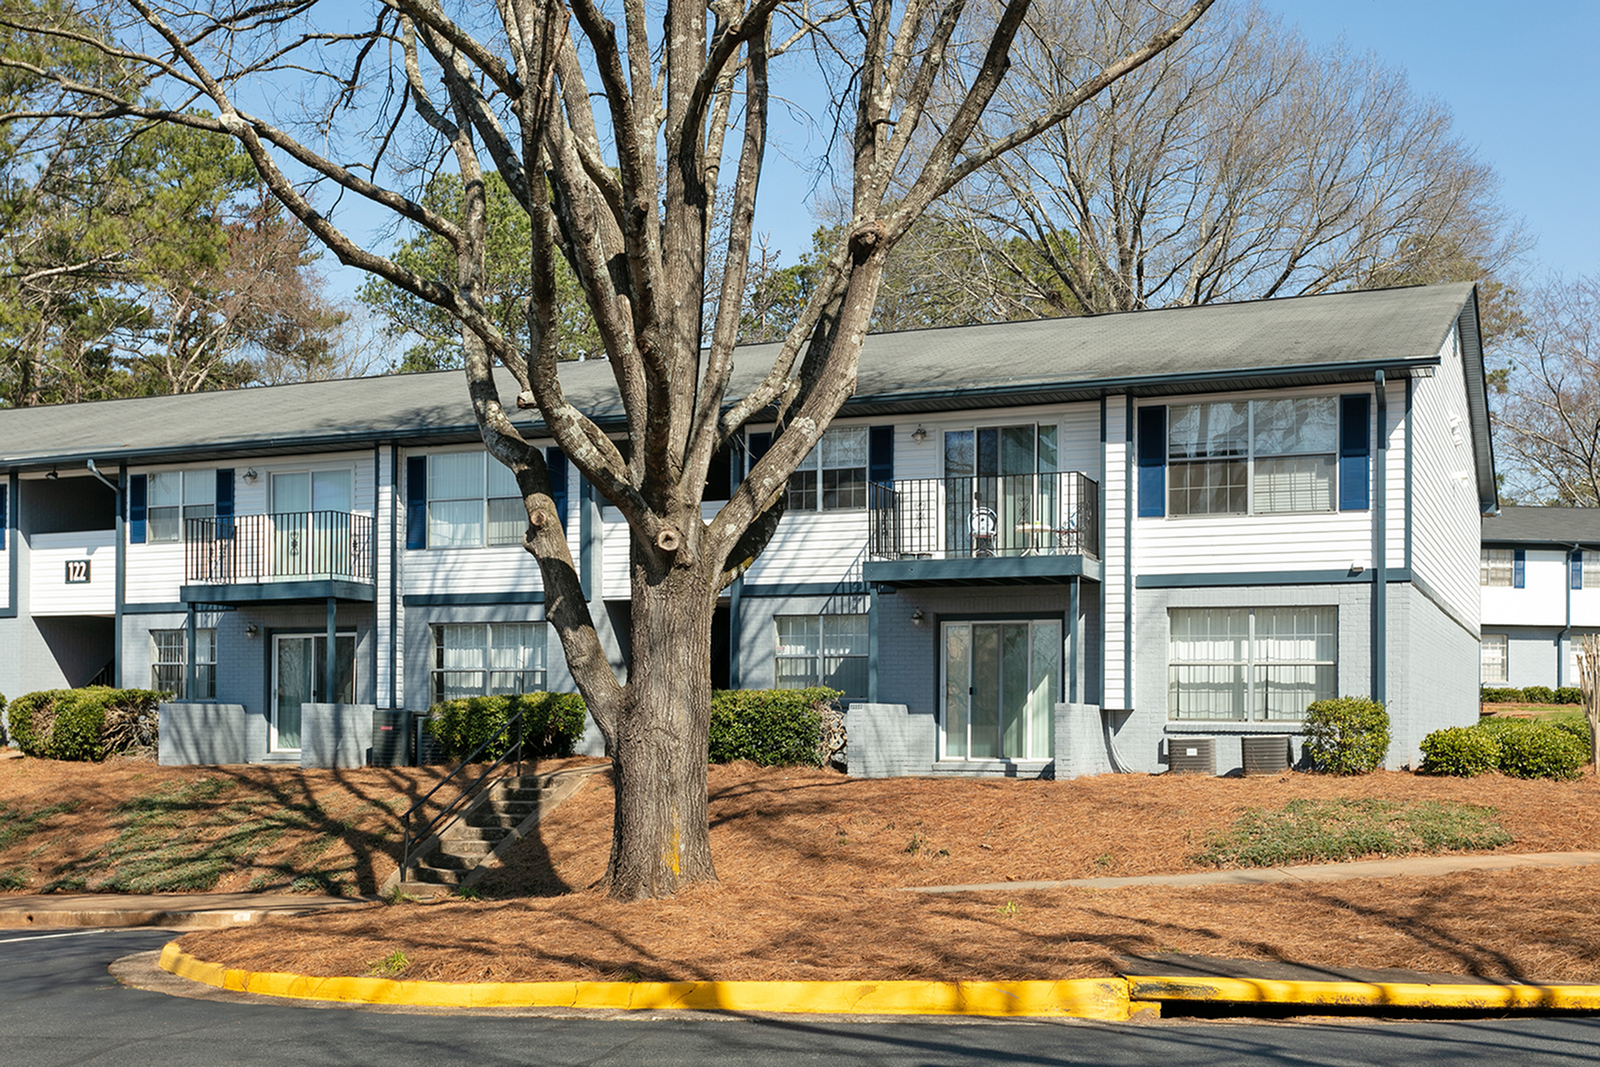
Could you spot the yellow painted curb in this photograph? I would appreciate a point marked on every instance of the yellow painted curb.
(1083, 998)
(1368, 994)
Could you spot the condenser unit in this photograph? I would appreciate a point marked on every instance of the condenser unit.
(1192, 755)
(1266, 754)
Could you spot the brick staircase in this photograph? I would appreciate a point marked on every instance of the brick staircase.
(500, 817)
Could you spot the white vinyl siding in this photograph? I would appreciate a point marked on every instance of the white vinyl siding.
(49, 592)
(1446, 526)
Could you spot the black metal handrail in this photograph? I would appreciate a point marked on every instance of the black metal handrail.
(985, 515)
(462, 794)
(281, 546)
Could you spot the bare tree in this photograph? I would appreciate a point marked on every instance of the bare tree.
(1239, 164)
(1548, 423)
(612, 139)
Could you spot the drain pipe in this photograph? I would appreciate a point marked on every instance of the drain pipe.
(121, 579)
(109, 484)
(1380, 544)
(1566, 631)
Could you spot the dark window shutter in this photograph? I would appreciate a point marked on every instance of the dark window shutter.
(880, 455)
(1355, 451)
(225, 503)
(1153, 461)
(4, 516)
(758, 445)
(1577, 569)
(138, 488)
(1519, 567)
(556, 460)
(416, 501)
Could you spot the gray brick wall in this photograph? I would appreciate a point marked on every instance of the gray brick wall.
(335, 735)
(1433, 676)
(889, 740)
(210, 735)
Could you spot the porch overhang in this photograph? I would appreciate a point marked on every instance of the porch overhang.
(280, 592)
(988, 570)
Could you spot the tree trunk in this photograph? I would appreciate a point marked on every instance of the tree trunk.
(661, 838)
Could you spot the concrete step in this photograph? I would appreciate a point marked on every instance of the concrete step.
(502, 794)
(437, 875)
(453, 862)
(482, 819)
(467, 847)
(513, 807)
(472, 832)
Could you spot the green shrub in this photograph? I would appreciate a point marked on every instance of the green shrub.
(1461, 751)
(551, 724)
(72, 724)
(1500, 695)
(1569, 694)
(1541, 750)
(1538, 694)
(772, 727)
(1347, 735)
(1498, 726)
(1576, 725)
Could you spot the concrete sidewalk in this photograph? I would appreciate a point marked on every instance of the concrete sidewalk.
(178, 911)
(1414, 866)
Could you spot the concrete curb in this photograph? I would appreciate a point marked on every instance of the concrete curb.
(1374, 995)
(199, 911)
(1104, 999)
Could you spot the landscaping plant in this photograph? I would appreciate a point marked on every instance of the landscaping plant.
(84, 724)
(774, 727)
(1347, 735)
(551, 724)
(1460, 751)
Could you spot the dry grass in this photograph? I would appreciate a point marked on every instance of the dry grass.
(809, 862)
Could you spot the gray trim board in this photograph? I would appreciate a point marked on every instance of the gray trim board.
(269, 592)
(783, 589)
(170, 607)
(995, 570)
(443, 600)
(1307, 577)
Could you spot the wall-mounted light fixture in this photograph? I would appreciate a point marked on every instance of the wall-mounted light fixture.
(250, 476)
(52, 475)
(251, 630)
(918, 619)
(919, 435)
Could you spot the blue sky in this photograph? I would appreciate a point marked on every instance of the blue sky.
(1524, 89)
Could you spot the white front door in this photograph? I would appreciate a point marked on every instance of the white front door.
(298, 665)
(1001, 683)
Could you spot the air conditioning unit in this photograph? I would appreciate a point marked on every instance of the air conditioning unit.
(1192, 755)
(1266, 754)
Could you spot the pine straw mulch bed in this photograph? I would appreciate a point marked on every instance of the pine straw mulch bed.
(810, 860)
(134, 826)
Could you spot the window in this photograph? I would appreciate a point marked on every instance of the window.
(1257, 457)
(1493, 663)
(1496, 567)
(1250, 664)
(838, 467)
(823, 650)
(176, 496)
(486, 659)
(169, 663)
(473, 500)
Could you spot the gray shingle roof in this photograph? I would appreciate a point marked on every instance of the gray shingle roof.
(1557, 526)
(1335, 337)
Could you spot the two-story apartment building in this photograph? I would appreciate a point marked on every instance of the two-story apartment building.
(1068, 545)
(1540, 574)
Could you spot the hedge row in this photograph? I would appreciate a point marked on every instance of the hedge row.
(1532, 694)
(551, 724)
(1347, 735)
(772, 727)
(1520, 748)
(83, 724)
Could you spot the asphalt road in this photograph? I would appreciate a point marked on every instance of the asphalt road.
(59, 1005)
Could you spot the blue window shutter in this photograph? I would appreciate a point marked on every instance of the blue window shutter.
(556, 460)
(4, 515)
(1355, 451)
(880, 454)
(1153, 461)
(225, 503)
(416, 501)
(137, 497)
(1519, 566)
(757, 447)
(1577, 569)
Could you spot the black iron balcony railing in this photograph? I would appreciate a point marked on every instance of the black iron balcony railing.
(994, 515)
(290, 546)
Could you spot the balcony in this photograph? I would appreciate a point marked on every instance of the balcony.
(985, 529)
(284, 555)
